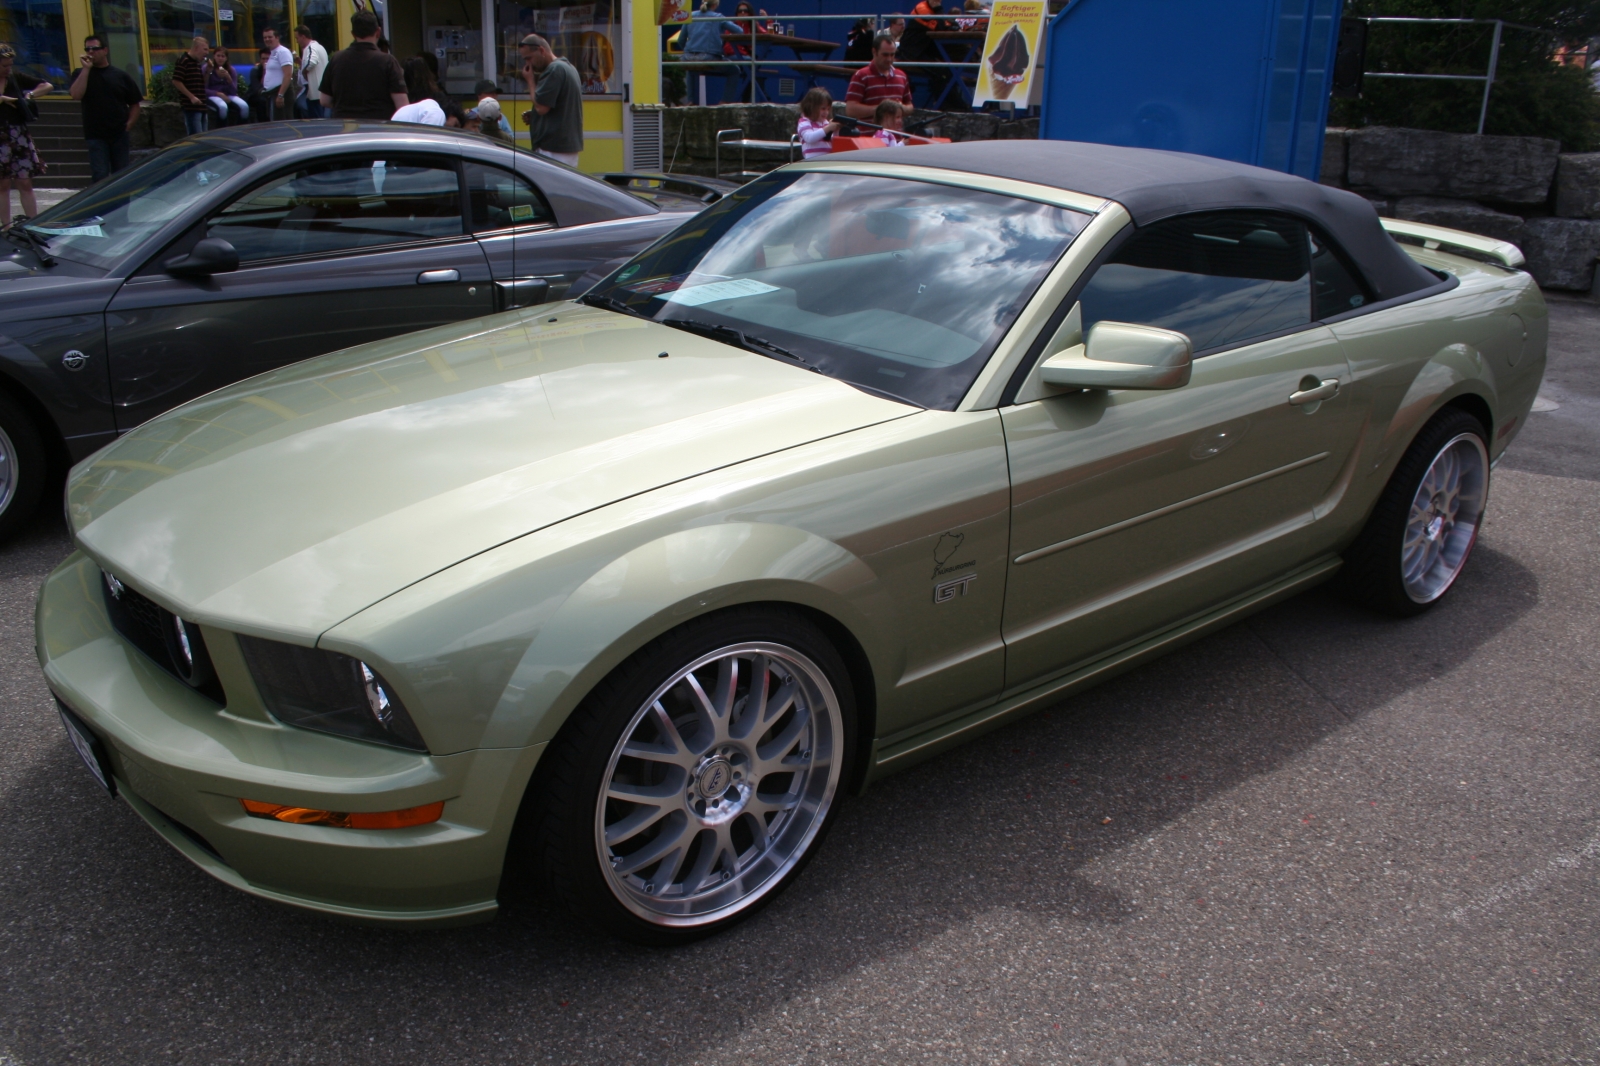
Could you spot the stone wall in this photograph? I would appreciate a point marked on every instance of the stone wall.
(1517, 189)
(158, 125)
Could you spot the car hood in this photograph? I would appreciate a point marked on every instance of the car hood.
(285, 504)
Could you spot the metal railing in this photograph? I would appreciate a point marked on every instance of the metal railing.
(879, 21)
(1494, 57)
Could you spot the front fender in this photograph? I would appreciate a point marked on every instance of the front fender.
(655, 588)
(536, 625)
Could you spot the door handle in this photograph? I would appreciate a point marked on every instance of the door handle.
(521, 292)
(1328, 388)
(438, 277)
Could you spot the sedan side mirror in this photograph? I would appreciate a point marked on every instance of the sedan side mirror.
(1120, 355)
(210, 256)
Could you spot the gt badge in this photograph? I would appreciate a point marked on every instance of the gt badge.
(949, 590)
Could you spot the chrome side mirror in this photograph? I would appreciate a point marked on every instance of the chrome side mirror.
(1120, 355)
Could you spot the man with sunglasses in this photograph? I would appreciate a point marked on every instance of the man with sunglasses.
(111, 100)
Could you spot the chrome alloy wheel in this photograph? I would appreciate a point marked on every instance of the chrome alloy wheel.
(1445, 515)
(719, 784)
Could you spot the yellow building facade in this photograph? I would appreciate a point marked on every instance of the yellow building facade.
(614, 44)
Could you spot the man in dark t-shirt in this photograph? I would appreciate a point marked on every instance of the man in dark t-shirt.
(555, 122)
(361, 81)
(111, 102)
(189, 82)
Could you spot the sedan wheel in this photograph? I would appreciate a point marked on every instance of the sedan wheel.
(22, 467)
(698, 779)
(1423, 528)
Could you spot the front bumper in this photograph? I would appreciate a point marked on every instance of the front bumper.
(183, 764)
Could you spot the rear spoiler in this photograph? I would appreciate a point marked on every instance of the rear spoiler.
(1471, 245)
(706, 190)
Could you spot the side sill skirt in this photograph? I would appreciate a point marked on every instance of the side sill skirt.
(908, 752)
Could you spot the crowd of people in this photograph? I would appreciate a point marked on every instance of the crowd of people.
(364, 82)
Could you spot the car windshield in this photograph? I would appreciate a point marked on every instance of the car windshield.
(101, 225)
(902, 287)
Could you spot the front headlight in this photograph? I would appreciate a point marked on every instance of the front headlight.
(329, 692)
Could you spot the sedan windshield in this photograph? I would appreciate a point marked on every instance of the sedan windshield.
(100, 226)
(901, 287)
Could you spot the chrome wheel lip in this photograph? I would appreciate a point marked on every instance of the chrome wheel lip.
(1445, 517)
(8, 470)
(763, 872)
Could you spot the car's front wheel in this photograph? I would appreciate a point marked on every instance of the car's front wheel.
(23, 467)
(1422, 531)
(695, 782)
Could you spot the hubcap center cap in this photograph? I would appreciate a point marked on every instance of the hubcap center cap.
(714, 778)
(1435, 527)
(720, 789)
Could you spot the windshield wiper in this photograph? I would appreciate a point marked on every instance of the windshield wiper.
(20, 231)
(758, 345)
(608, 303)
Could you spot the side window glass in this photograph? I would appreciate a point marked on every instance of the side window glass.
(343, 206)
(501, 199)
(1336, 289)
(1221, 278)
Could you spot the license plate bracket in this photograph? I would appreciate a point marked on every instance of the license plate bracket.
(89, 747)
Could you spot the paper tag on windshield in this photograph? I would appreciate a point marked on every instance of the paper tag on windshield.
(72, 231)
(720, 290)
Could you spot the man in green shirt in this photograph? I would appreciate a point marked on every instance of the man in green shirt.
(555, 122)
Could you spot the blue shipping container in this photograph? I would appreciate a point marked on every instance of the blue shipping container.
(1246, 80)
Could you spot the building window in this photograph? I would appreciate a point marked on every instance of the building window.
(117, 23)
(171, 24)
(587, 35)
(243, 31)
(37, 31)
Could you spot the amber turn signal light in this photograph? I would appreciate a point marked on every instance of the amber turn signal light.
(428, 812)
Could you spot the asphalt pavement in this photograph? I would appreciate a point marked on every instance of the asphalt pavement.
(1316, 837)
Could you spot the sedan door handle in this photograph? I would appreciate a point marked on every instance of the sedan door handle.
(1328, 388)
(438, 277)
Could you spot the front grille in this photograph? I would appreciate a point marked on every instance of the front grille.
(150, 627)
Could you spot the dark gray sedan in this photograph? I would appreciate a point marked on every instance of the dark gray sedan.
(235, 252)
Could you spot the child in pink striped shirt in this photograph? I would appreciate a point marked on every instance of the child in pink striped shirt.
(816, 127)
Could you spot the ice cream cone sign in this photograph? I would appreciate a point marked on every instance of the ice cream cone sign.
(670, 11)
(1010, 51)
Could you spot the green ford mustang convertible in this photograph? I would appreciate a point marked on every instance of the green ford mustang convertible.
(875, 454)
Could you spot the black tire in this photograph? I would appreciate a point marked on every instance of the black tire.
(564, 820)
(1375, 572)
(24, 467)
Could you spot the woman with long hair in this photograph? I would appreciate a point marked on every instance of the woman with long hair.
(19, 159)
(222, 87)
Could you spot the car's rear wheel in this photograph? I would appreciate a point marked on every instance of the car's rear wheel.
(1422, 531)
(696, 781)
(23, 467)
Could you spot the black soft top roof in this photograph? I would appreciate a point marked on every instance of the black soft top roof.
(1154, 185)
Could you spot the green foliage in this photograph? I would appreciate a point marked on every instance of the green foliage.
(1532, 95)
(159, 89)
